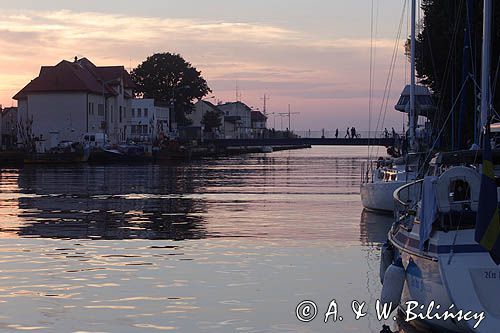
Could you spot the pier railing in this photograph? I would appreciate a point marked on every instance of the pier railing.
(330, 134)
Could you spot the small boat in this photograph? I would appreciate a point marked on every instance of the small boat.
(266, 149)
(120, 154)
(383, 177)
(176, 151)
(66, 152)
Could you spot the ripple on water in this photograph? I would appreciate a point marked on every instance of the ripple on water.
(225, 245)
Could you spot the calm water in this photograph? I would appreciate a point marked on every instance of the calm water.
(227, 245)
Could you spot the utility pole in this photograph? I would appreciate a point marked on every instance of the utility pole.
(289, 115)
(265, 99)
(289, 119)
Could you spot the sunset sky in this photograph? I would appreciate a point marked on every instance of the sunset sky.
(311, 54)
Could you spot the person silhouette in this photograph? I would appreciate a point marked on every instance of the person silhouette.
(337, 133)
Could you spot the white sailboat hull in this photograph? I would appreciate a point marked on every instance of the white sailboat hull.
(455, 271)
(379, 195)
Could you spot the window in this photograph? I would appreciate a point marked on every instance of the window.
(111, 113)
(460, 190)
(132, 129)
(145, 129)
(100, 109)
(89, 108)
(120, 115)
(133, 113)
(145, 112)
(139, 113)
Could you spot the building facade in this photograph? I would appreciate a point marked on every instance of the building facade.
(200, 109)
(240, 113)
(9, 128)
(259, 121)
(147, 121)
(73, 98)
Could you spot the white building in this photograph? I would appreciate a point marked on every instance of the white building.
(72, 98)
(147, 121)
(240, 113)
(259, 121)
(200, 108)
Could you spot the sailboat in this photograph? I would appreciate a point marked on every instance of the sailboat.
(383, 176)
(440, 250)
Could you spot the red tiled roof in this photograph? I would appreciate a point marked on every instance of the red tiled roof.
(82, 75)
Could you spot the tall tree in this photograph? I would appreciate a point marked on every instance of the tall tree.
(440, 63)
(211, 119)
(168, 78)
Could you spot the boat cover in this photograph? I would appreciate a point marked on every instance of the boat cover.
(428, 210)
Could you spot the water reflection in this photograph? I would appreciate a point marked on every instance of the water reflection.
(118, 202)
(270, 230)
(373, 233)
(374, 227)
(298, 195)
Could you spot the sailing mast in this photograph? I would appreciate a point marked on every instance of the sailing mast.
(412, 77)
(485, 66)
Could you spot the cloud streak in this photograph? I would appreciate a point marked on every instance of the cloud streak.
(261, 57)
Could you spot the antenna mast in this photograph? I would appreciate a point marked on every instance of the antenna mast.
(265, 99)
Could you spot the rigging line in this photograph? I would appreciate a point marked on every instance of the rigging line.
(390, 74)
(375, 53)
(443, 127)
(478, 87)
(373, 50)
(473, 60)
(370, 93)
(447, 69)
(495, 80)
(388, 84)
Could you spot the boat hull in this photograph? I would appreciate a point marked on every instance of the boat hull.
(462, 275)
(57, 158)
(378, 196)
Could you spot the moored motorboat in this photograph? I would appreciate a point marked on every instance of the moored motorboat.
(65, 153)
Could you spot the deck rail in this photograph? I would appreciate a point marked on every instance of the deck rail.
(406, 198)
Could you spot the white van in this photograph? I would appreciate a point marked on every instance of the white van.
(95, 140)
